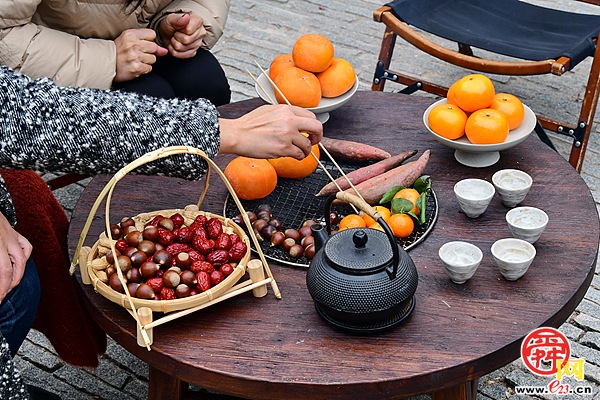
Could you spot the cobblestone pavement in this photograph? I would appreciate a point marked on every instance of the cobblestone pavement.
(257, 30)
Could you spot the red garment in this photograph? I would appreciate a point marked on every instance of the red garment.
(61, 316)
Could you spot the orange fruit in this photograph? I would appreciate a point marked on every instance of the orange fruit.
(402, 225)
(409, 194)
(337, 79)
(352, 221)
(251, 178)
(377, 226)
(447, 120)
(300, 87)
(289, 167)
(382, 210)
(474, 92)
(312, 52)
(487, 126)
(280, 63)
(450, 95)
(511, 107)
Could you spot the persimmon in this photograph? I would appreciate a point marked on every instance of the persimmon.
(447, 120)
(301, 88)
(280, 63)
(289, 167)
(313, 52)
(511, 107)
(251, 178)
(487, 126)
(337, 79)
(474, 92)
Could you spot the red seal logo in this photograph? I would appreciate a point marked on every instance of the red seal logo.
(543, 348)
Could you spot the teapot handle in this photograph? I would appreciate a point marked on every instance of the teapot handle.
(365, 207)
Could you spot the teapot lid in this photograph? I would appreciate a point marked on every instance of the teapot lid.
(358, 251)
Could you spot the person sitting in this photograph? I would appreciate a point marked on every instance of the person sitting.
(160, 48)
(45, 127)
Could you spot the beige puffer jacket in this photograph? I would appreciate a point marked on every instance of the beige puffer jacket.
(71, 41)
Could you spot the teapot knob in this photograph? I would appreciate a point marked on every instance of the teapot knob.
(360, 238)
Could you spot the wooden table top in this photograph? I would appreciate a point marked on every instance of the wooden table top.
(282, 349)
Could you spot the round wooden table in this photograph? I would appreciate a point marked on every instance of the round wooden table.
(281, 349)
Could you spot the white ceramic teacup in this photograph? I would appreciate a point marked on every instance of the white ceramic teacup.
(474, 196)
(461, 260)
(513, 257)
(512, 185)
(527, 223)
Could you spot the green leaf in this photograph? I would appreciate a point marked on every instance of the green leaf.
(422, 204)
(401, 206)
(389, 195)
(423, 184)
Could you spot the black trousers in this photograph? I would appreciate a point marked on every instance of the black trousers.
(199, 77)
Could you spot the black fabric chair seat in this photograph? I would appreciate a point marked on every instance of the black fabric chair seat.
(508, 27)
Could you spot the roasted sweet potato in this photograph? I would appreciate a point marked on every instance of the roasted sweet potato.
(362, 174)
(405, 175)
(347, 150)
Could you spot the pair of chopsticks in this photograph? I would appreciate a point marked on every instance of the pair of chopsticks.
(271, 100)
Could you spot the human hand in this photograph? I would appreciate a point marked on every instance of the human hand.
(277, 129)
(14, 253)
(136, 52)
(182, 34)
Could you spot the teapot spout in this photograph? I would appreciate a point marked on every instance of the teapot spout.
(321, 237)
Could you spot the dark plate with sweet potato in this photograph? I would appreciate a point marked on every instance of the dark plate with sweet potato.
(294, 201)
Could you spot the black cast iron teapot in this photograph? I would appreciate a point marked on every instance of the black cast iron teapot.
(360, 279)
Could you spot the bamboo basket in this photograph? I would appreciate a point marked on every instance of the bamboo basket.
(88, 257)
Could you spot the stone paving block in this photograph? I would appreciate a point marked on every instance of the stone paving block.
(137, 389)
(125, 360)
(587, 321)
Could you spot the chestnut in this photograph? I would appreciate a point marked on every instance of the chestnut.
(307, 241)
(264, 207)
(182, 291)
(162, 257)
(125, 222)
(277, 238)
(132, 287)
(124, 263)
(183, 260)
(115, 283)
(296, 251)
(150, 233)
(310, 251)
(288, 243)
(134, 238)
(138, 258)
(277, 224)
(238, 219)
(292, 234)
(251, 216)
(111, 270)
(334, 218)
(149, 269)
(129, 251)
(115, 231)
(309, 222)
(134, 275)
(144, 291)
(147, 246)
(171, 279)
(267, 232)
(110, 256)
(130, 229)
(166, 223)
(259, 224)
(264, 214)
(304, 231)
(189, 277)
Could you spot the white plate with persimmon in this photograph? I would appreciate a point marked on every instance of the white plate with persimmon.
(478, 133)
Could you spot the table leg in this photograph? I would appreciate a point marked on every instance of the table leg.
(162, 386)
(462, 391)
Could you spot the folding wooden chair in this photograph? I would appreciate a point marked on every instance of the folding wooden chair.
(537, 40)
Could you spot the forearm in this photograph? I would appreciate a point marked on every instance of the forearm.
(47, 128)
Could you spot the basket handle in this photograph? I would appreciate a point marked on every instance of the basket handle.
(152, 156)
